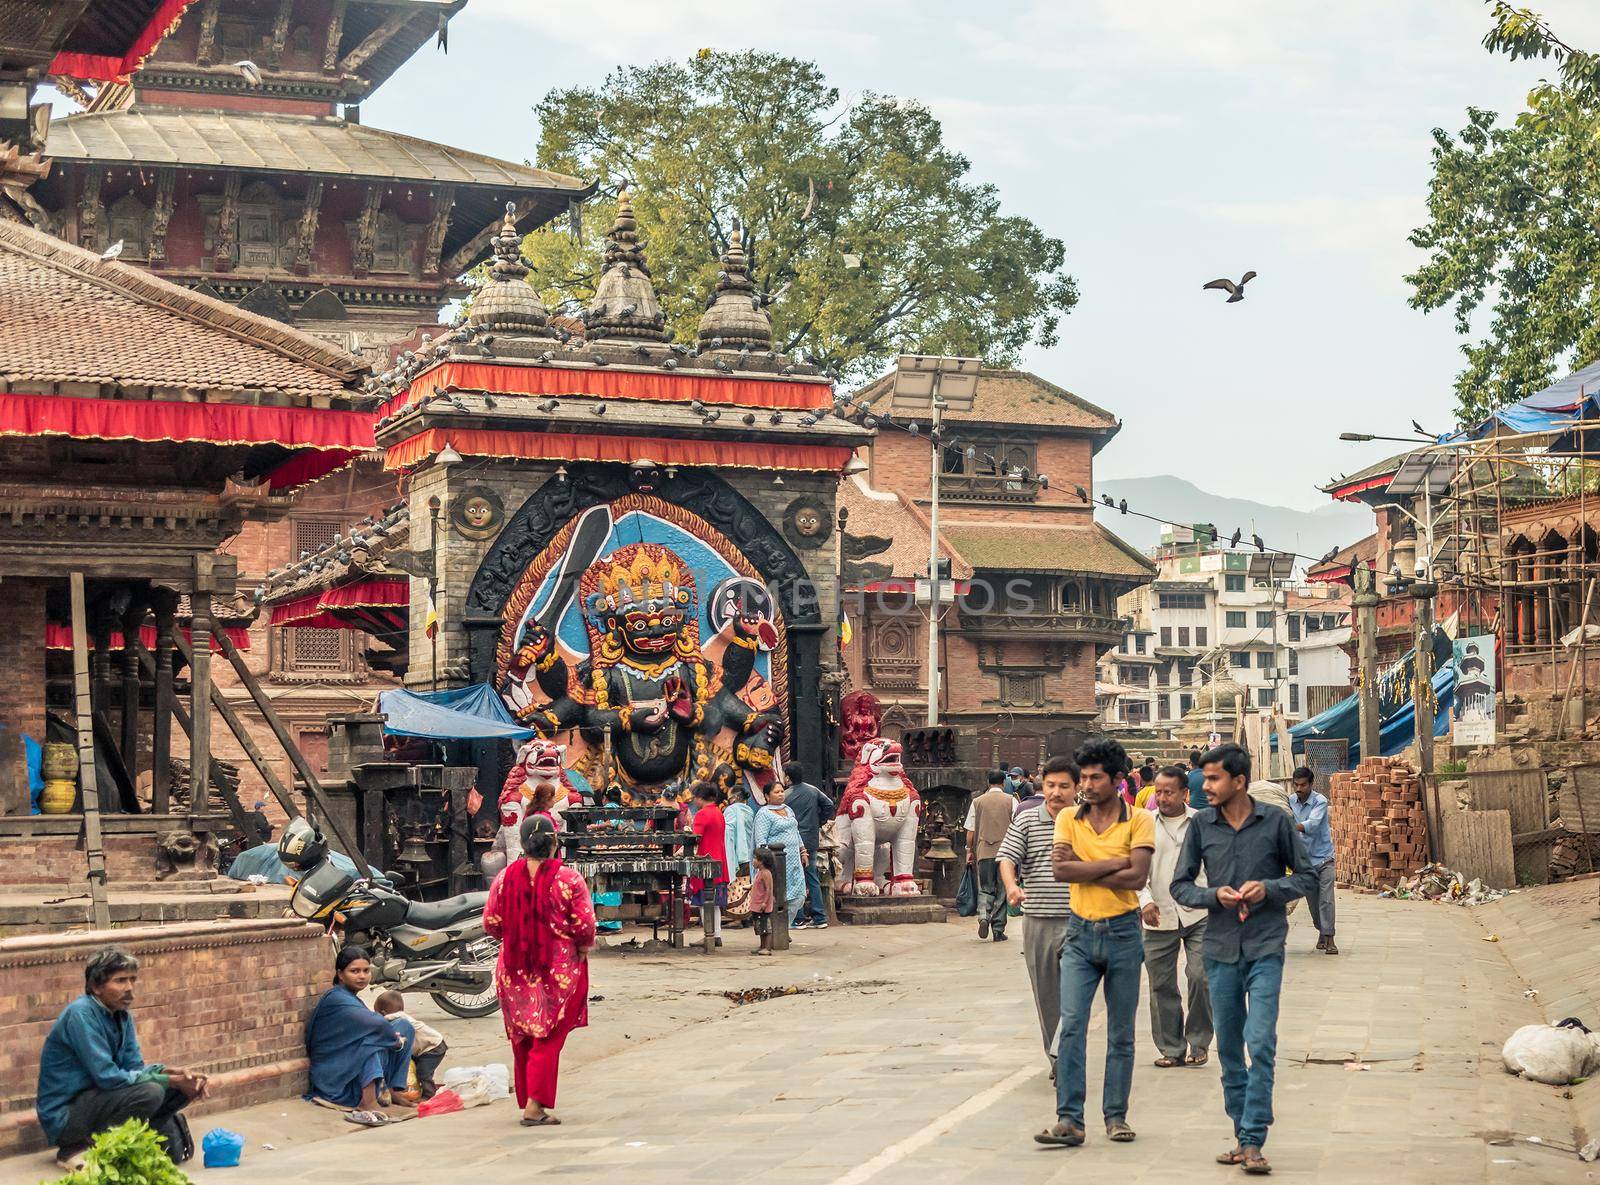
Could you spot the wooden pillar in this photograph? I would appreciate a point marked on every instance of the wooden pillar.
(1522, 602)
(1539, 570)
(200, 686)
(132, 620)
(165, 604)
(93, 847)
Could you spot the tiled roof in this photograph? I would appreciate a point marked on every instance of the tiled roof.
(891, 516)
(283, 143)
(1024, 547)
(1015, 397)
(66, 315)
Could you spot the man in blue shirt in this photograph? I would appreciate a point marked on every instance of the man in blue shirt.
(92, 1075)
(811, 809)
(1311, 821)
(1197, 782)
(1255, 864)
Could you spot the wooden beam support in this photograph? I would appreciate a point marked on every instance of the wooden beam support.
(292, 751)
(200, 697)
(330, 52)
(93, 845)
(132, 618)
(165, 605)
(376, 40)
(462, 256)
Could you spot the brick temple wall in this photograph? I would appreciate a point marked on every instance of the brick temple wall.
(22, 688)
(227, 998)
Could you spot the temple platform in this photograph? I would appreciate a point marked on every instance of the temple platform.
(889, 911)
(52, 909)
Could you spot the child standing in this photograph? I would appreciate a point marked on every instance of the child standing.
(761, 899)
(429, 1048)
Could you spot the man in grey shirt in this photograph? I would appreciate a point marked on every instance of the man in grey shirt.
(1030, 883)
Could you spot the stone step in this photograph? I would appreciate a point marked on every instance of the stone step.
(54, 910)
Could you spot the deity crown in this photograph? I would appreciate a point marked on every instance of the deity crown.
(642, 577)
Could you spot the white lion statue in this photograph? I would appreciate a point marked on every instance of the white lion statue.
(876, 826)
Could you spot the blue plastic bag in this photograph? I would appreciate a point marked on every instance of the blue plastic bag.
(222, 1148)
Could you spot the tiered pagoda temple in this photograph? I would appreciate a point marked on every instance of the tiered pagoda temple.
(233, 160)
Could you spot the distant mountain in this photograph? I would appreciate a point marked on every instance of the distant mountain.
(1308, 532)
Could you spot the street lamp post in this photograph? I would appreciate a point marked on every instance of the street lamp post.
(934, 384)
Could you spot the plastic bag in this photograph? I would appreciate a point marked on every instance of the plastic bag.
(497, 1077)
(967, 894)
(222, 1148)
(442, 1103)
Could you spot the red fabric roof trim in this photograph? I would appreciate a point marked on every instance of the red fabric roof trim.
(59, 637)
(309, 466)
(106, 68)
(552, 446)
(1345, 493)
(318, 610)
(664, 387)
(210, 423)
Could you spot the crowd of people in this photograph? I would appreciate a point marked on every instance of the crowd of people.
(1116, 874)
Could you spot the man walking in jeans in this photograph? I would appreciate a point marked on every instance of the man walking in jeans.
(1103, 850)
(811, 809)
(1254, 865)
(1311, 821)
(988, 819)
(1182, 1033)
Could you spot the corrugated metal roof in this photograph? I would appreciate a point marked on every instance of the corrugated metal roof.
(282, 143)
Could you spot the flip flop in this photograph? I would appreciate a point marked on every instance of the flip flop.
(1118, 1132)
(368, 1119)
(1197, 1059)
(1233, 1157)
(1062, 1135)
(545, 1120)
(1167, 1063)
(1255, 1165)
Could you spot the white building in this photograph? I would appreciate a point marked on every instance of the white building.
(1282, 643)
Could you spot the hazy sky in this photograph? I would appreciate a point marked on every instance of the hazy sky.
(1166, 142)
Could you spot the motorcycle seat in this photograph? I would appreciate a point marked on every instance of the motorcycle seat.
(436, 915)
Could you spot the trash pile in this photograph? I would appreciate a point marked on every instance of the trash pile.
(1435, 882)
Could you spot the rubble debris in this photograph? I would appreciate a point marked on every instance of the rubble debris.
(1380, 828)
(1435, 882)
(761, 994)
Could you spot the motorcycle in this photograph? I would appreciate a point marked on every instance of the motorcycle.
(437, 946)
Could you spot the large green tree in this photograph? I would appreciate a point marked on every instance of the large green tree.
(1514, 225)
(863, 225)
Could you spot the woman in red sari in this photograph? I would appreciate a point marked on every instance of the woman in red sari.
(541, 911)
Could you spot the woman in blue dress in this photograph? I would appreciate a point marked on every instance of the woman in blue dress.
(357, 1056)
(739, 825)
(775, 823)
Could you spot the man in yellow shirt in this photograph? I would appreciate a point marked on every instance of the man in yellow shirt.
(1103, 850)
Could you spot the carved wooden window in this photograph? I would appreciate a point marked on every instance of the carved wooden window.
(258, 241)
(892, 655)
(1071, 596)
(389, 245)
(1022, 691)
(985, 468)
(240, 39)
(304, 651)
(129, 220)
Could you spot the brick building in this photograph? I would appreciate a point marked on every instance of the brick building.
(1038, 579)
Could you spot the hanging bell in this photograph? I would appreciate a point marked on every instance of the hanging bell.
(941, 848)
(414, 852)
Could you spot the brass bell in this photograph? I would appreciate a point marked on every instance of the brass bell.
(941, 848)
(414, 851)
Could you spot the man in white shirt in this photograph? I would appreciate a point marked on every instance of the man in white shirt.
(1182, 1035)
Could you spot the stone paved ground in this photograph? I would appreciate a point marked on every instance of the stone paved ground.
(916, 1062)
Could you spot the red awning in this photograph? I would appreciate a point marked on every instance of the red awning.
(59, 637)
(321, 610)
(108, 68)
(334, 437)
(666, 387)
(572, 446)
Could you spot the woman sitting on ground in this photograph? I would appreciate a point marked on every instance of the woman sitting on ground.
(541, 911)
(357, 1057)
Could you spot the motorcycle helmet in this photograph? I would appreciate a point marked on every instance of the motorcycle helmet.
(302, 845)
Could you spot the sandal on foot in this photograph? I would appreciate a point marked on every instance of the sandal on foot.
(1118, 1132)
(1062, 1135)
(1255, 1164)
(1167, 1063)
(1232, 1157)
(368, 1118)
(545, 1120)
(1197, 1059)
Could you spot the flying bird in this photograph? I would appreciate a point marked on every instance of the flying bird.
(250, 71)
(1235, 291)
(113, 251)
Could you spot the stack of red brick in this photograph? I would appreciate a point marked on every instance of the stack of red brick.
(1380, 828)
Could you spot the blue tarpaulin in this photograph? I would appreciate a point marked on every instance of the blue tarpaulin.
(466, 714)
(1551, 409)
(1395, 731)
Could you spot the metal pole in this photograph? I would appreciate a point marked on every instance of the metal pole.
(933, 555)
